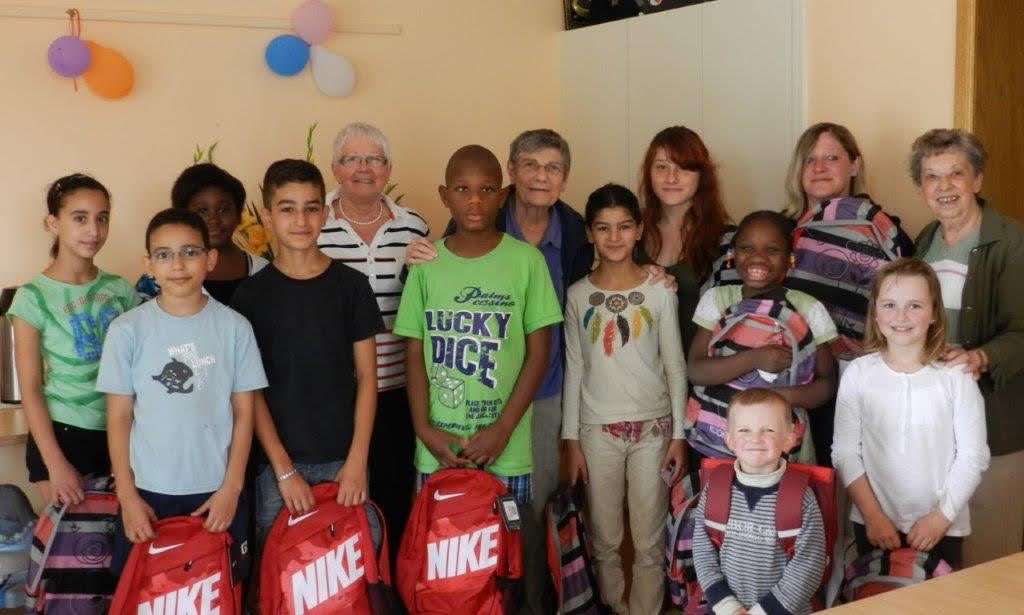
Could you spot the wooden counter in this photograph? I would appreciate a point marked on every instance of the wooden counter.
(13, 427)
(994, 587)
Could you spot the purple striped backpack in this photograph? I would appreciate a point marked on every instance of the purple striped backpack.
(766, 319)
(839, 246)
(569, 559)
(69, 569)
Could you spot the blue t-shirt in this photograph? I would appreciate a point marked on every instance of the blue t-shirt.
(182, 371)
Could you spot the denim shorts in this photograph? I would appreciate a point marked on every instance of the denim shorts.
(268, 496)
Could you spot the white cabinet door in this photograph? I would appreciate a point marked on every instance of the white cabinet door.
(732, 70)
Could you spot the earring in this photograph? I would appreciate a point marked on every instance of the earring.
(792, 260)
(728, 259)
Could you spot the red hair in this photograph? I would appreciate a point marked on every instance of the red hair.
(706, 219)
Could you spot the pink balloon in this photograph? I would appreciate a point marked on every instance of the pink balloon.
(313, 21)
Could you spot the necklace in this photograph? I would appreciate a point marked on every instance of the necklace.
(380, 214)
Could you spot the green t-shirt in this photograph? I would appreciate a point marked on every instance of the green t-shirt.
(72, 321)
(473, 316)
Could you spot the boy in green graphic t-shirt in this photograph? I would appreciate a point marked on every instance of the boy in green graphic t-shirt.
(477, 320)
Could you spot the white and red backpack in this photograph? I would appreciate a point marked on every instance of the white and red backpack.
(185, 569)
(327, 560)
(461, 549)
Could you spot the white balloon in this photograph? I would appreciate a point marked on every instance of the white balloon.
(333, 74)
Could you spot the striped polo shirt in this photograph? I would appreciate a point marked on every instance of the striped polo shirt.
(381, 262)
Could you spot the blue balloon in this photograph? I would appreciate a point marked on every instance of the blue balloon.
(287, 55)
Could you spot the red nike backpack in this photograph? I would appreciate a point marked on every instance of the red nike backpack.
(185, 569)
(461, 549)
(326, 560)
(717, 475)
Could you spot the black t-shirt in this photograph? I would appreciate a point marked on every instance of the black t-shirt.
(222, 290)
(305, 330)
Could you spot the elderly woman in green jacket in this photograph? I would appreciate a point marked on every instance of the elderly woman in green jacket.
(978, 255)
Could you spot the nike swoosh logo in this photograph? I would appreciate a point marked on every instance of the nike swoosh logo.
(440, 497)
(155, 550)
(293, 520)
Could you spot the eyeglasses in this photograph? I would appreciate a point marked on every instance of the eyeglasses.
(533, 167)
(164, 256)
(355, 161)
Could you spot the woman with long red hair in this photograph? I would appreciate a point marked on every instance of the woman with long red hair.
(683, 214)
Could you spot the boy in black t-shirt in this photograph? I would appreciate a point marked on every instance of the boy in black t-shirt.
(315, 321)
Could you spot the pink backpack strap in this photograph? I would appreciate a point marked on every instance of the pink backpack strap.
(789, 509)
(717, 503)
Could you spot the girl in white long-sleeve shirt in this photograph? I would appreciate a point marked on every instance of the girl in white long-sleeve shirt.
(910, 440)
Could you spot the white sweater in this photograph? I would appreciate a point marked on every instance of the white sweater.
(920, 438)
(624, 359)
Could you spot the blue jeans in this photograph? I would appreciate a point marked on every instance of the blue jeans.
(268, 496)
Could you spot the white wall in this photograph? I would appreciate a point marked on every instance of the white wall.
(732, 70)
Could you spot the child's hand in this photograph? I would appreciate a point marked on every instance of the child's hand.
(773, 359)
(881, 532)
(219, 509)
(440, 443)
(486, 445)
(741, 611)
(66, 483)
(351, 479)
(419, 250)
(577, 463)
(138, 518)
(928, 531)
(675, 458)
(659, 276)
(297, 495)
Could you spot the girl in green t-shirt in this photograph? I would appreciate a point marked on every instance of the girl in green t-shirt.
(60, 319)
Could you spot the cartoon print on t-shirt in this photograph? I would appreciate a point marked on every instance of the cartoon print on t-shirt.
(199, 366)
(174, 376)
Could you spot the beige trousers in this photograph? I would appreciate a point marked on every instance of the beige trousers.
(997, 511)
(623, 472)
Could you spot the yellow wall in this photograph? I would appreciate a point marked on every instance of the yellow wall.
(885, 70)
(461, 71)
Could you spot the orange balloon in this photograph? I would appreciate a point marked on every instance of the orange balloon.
(109, 75)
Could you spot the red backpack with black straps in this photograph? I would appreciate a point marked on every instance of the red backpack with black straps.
(184, 569)
(461, 549)
(327, 561)
(717, 476)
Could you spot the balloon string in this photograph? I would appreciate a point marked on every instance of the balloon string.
(74, 22)
(75, 26)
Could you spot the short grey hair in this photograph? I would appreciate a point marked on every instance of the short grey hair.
(535, 140)
(941, 140)
(361, 130)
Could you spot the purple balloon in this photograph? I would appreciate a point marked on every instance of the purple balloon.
(68, 56)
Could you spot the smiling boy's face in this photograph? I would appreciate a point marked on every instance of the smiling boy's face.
(759, 434)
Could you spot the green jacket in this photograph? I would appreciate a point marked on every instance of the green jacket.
(992, 318)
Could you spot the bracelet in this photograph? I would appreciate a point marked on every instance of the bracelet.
(287, 475)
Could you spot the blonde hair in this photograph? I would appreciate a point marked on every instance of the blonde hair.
(795, 196)
(752, 397)
(935, 342)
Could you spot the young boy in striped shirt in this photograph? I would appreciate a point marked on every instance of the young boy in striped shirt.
(750, 573)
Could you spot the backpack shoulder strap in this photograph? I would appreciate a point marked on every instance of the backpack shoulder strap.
(789, 509)
(42, 541)
(717, 503)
